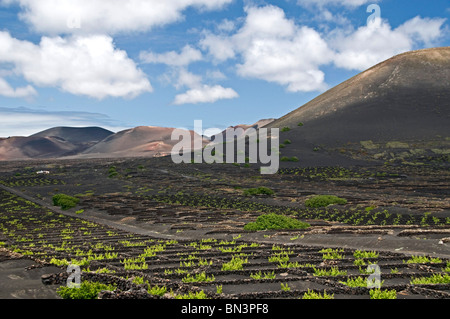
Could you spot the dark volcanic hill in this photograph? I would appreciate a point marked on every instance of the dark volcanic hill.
(75, 135)
(400, 104)
(21, 148)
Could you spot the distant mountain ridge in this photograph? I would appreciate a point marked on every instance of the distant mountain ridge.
(52, 143)
(96, 142)
(88, 142)
(138, 141)
(76, 135)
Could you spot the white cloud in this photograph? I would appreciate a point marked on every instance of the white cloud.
(220, 47)
(180, 77)
(424, 30)
(178, 74)
(326, 17)
(100, 16)
(345, 3)
(226, 25)
(371, 44)
(215, 75)
(6, 90)
(187, 56)
(89, 66)
(275, 49)
(187, 79)
(199, 92)
(205, 94)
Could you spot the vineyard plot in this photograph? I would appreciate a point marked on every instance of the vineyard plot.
(211, 267)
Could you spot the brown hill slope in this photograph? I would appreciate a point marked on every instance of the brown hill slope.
(135, 142)
(52, 143)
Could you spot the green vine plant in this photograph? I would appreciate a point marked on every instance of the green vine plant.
(259, 275)
(314, 295)
(87, 290)
(202, 277)
(285, 287)
(333, 271)
(382, 294)
(236, 263)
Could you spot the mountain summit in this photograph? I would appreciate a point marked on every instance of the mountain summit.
(403, 102)
(52, 143)
(75, 135)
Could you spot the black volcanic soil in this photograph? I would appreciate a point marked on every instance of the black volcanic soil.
(199, 210)
(21, 279)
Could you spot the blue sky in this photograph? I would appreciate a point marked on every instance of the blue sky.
(120, 64)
